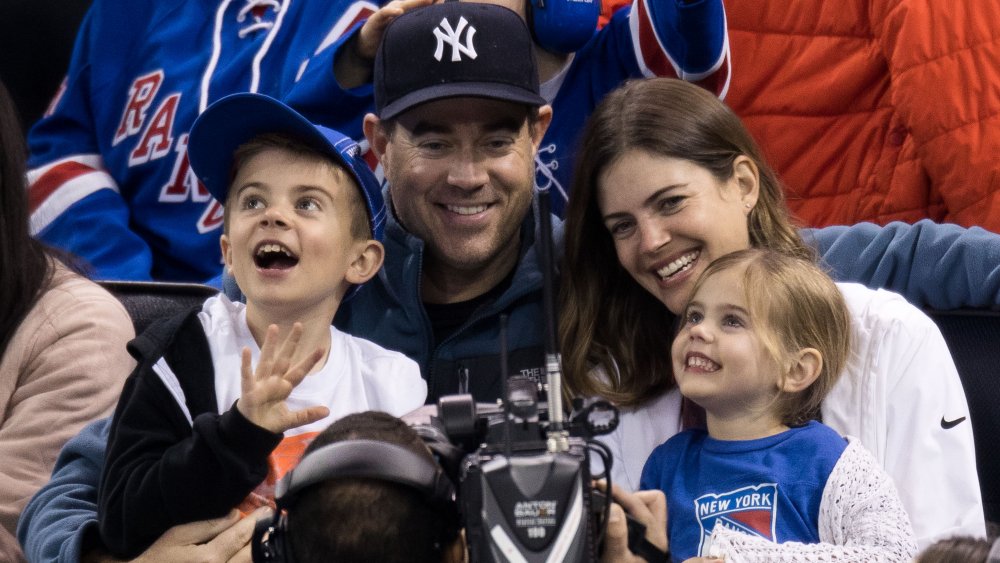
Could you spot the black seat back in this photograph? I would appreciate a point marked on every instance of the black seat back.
(150, 301)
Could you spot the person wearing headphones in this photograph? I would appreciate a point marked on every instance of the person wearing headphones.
(366, 489)
(369, 489)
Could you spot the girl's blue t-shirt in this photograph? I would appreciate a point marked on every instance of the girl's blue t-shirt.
(770, 487)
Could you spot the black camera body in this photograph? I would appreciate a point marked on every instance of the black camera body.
(522, 472)
(535, 504)
(523, 488)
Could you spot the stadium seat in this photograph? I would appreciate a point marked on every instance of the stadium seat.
(149, 301)
(973, 337)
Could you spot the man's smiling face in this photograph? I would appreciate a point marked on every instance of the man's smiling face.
(461, 177)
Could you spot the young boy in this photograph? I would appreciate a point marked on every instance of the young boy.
(220, 405)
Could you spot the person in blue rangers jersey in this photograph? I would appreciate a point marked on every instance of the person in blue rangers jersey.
(762, 340)
(672, 38)
(108, 169)
(109, 174)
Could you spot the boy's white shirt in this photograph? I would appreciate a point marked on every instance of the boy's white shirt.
(898, 384)
(358, 375)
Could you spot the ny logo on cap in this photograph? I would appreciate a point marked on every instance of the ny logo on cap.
(445, 34)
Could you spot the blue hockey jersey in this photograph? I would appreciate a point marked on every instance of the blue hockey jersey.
(109, 176)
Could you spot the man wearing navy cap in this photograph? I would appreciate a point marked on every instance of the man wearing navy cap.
(458, 121)
(457, 124)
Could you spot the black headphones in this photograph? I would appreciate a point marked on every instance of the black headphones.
(368, 459)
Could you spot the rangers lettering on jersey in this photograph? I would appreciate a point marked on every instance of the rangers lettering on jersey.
(750, 510)
(157, 141)
(140, 96)
(113, 144)
(158, 138)
(184, 185)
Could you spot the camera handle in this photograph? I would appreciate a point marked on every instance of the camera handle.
(637, 542)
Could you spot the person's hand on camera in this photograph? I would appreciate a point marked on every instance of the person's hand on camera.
(264, 390)
(649, 508)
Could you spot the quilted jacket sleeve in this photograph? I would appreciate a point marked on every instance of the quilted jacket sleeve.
(947, 96)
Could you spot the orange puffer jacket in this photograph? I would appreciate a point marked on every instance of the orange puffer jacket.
(874, 110)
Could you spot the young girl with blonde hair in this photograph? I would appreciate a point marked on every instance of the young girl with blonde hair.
(761, 342)
(668, 179)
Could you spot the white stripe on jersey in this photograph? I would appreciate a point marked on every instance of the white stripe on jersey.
(70, 191)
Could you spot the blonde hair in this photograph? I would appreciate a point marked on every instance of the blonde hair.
(797, 306)
(606, 318)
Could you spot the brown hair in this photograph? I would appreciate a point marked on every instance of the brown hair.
(26, 264)
(389, 522)
(797, 306)
(360, 221)
(958, 549)
(607, 319)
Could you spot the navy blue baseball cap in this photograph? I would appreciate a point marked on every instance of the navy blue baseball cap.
(238, 118)
(455, 49)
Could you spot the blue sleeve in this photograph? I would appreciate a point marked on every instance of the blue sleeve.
(232, 289)
(318, 96)
(61, 514)
(936, 265)
(650, 479)
(96, 229)
(653, 469)
(693, 34)
(75, 202)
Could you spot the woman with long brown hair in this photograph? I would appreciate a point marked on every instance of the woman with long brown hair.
(669, 180)
(62, 345)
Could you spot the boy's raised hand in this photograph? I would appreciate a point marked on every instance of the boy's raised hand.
(263, 392)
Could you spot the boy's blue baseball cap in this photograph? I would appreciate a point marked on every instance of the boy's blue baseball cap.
(238, 118)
